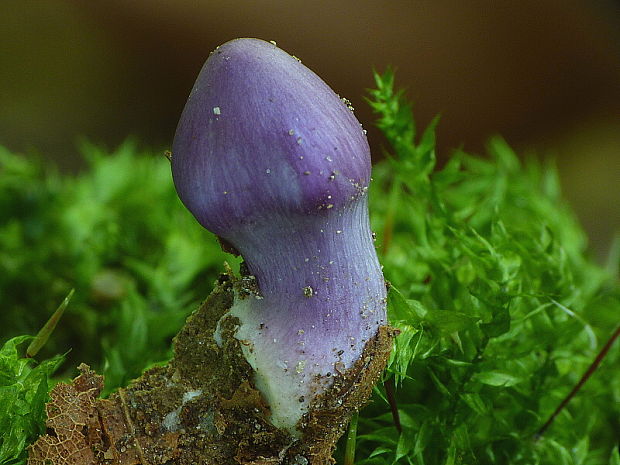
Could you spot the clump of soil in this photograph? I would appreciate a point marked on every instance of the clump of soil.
(201, 408)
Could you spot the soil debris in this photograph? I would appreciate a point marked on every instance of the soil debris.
(201, 408)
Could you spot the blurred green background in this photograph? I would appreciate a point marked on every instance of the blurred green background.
(543, 73)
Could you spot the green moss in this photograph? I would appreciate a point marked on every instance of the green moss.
(119, 235)
(24, 385)
(500, 308)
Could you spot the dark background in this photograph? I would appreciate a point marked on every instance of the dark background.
(543, 73)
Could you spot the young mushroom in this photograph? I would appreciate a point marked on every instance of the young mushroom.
(272, 161)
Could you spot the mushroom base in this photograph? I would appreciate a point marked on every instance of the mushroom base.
(202, 408)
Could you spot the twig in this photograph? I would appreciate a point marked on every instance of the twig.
(597, 361)
(391, 397)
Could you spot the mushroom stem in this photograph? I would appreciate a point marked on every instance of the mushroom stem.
(322, 298)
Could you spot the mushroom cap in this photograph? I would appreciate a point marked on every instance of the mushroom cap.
(262, 137)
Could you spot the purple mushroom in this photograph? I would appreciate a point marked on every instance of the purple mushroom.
(271, 160)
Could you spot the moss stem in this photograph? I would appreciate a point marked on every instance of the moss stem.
(593, 366)
(349, 452)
